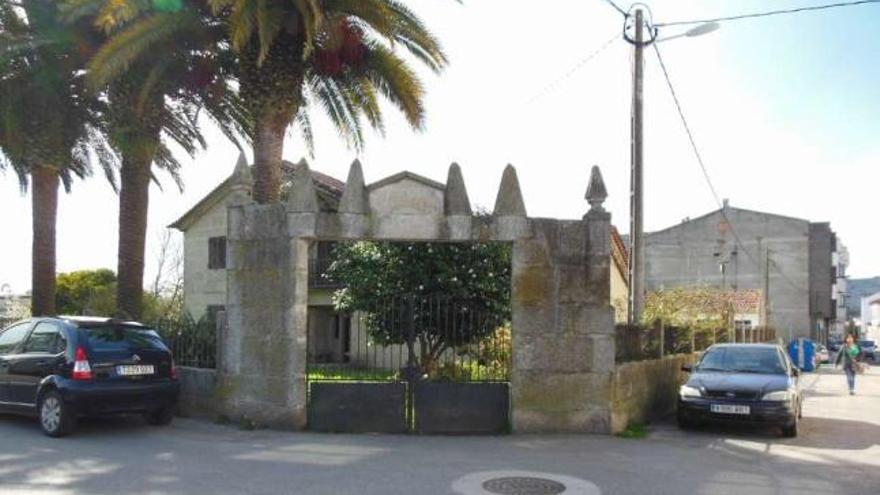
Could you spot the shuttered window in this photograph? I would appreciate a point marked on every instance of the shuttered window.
(217, 253)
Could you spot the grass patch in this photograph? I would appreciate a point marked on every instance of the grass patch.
(352, 375)
(634, 430)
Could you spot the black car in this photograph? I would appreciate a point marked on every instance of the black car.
(748, 383)
(60, 369)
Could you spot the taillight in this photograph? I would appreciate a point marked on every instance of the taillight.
(173, 371)
(81, 368)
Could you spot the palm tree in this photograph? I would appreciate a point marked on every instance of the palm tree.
(152, 100)
(338, 55)
(49, 127)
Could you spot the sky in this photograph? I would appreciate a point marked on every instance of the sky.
(783, 109)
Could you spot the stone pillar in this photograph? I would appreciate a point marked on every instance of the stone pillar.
(563, 323)
(256, 376)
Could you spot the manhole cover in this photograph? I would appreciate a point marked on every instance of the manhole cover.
(522, 485)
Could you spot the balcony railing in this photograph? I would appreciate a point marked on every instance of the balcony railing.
(318, 278)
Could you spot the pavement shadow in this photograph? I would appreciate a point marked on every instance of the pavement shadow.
(815, 432)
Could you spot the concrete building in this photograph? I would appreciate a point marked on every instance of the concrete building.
(871, 317)
(840, 291)
(787, 260)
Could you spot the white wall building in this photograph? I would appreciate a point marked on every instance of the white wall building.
(871, 316)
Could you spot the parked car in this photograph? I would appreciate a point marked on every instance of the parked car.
(834, 345)
(60, 369)
(869, 349)
(821, 356)
(745, 383)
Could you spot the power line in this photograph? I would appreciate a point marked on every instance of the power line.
(574, 69)
(616, 7)
(769, 13)
(699, 157)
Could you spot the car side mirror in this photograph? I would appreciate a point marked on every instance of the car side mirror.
(687, 368)
(795, 372)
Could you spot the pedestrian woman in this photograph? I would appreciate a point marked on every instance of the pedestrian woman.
(850, 355)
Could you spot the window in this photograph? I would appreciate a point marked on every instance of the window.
(121, 337)
(741, 325)
(742, 359)
(13, 336)
(217, 253)
(44, 339)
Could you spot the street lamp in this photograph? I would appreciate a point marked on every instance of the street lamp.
(636, 273)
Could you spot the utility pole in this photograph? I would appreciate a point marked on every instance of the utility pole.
(766, 287)
(636, 237)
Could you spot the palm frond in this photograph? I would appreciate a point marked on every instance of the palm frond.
(134, 42)
(397, 82)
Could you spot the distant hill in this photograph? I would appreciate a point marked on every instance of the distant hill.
(857, 289)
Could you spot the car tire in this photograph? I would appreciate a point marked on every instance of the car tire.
(161, 417)
(684, 422)
(55, 416)
(791, 430)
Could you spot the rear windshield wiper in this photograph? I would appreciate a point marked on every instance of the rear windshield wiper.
(743, 370)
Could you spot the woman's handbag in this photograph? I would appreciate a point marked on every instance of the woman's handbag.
(860, 368)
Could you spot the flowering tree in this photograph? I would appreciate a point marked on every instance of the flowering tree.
(454, 295)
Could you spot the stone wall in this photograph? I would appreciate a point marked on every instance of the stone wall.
(642, 391)
(197, 392)
(563, 346)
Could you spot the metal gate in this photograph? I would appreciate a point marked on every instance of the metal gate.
(425, 364)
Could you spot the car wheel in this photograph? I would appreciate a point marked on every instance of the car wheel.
(55, 416)
(161, 417)
(791, 430)
(684, 422)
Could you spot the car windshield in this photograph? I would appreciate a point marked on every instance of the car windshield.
(744, 359)
(120, 337)
(866, 343)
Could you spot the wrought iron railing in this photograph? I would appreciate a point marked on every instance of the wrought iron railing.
(192, 343)
(411, 338)
(318, 277)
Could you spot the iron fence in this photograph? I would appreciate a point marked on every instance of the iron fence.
(192, 343)
(638, 343)
(410, 338)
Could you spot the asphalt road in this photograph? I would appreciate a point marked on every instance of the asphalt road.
(837, 452)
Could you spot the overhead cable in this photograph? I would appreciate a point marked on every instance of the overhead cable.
(768, 13)
(574, 69)
(699, 157)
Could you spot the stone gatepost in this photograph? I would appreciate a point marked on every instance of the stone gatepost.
(563, 347)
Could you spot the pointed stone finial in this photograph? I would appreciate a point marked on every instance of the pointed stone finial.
(509, 201)
(242, 172)
(455, 197)
(354, 198)
(596, 192)
(303, 197)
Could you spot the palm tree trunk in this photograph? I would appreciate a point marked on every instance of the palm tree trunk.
(271, 127)
(134, 198)
(44, 196)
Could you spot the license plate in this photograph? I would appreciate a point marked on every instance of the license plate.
(729, 409)
(135, 370)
